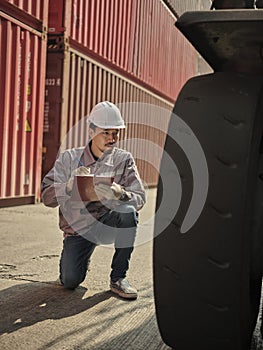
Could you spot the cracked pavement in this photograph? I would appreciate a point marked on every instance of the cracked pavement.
(37, 313)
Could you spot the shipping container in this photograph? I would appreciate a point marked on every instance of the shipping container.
(57, 16)
(22, 78)
(75, 83)
(137, 36)
(122, 51)
(32, 12)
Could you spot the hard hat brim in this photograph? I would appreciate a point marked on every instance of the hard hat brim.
(107, 126)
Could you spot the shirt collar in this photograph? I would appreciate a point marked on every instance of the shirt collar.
(87, 159)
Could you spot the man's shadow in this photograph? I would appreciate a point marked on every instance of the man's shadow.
(26, 304)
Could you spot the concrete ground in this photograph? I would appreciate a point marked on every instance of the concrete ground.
(37, 313)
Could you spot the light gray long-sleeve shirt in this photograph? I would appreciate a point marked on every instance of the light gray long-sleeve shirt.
(77, 218)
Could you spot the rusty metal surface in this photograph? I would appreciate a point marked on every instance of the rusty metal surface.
(22, 72)
(230, 40)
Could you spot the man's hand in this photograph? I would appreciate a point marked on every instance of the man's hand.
(117, 190)
(82, 170)
(113, 192)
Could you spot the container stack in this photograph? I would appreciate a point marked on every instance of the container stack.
(23, 26)
(59, 58)
(119, 50)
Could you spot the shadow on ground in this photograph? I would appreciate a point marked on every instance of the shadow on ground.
(26, 304)
(101, 321)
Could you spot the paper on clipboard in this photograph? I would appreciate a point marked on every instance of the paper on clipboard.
(84, 187)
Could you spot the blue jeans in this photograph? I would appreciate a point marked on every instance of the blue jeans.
(118, 227)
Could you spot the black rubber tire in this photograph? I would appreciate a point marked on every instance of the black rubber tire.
(206, 283)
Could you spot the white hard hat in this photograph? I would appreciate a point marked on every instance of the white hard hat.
(106, 115)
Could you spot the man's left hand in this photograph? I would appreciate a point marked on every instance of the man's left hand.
(113, 192)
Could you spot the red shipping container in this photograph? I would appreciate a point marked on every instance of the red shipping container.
(74, 84)
(119, 50)
(138, 36)
(26, 10)
(56, 17)
(52, 110)
(22, 77)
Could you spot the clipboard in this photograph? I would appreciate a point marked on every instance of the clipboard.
(84, 187)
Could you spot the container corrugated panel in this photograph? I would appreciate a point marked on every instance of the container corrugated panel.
(138, 36)
(85, 82)
(22, 77)
(35, 8)
(108, 28)
(164, 58)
